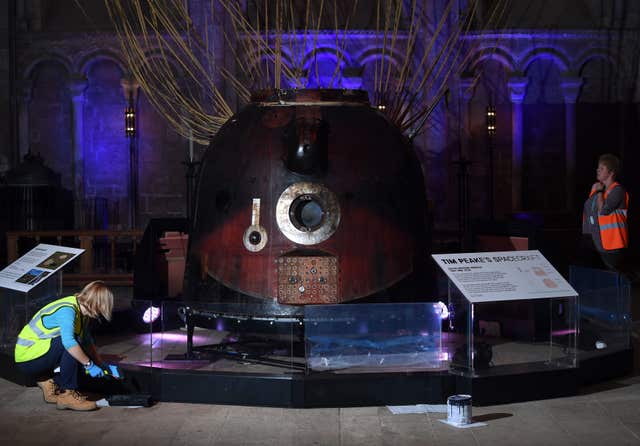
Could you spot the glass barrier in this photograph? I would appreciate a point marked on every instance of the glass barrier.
(17, 308)
(127, 343)
(373, 337)
(455, 338)
(237, 338)
(605, 310)
(505, 337)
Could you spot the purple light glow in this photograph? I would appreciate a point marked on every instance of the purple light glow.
(562, 332)
(150, 315)
(180, 338)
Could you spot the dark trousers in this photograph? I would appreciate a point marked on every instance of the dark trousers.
(615, 260)
(42, 368)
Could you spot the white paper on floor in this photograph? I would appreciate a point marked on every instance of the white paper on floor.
(462, 426)
(418, 408)
(104, 403)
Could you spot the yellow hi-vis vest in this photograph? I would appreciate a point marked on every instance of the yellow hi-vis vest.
(35, 339)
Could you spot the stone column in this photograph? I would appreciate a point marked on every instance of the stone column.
(23, 91)
(77, 85)
(517, 90)
(352, 77)
(465, 94)
(570, 90)
(21, 17)
(35, 14)
(130, 88)
(466, 90)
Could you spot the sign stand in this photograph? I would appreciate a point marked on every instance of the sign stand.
(508, 311)
(28, 284)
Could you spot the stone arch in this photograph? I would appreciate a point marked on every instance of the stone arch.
(497, 54)
(559, 59)
(601, 83)
(85, 63)
(326, 52)
(492, 82)
(254, 65)
(324, 65)
(367, 59)
(249, 57)
(374, 53)
(593, 54)
(157, 54)
(45, 58)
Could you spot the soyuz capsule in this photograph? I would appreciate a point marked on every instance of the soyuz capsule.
(308, 197)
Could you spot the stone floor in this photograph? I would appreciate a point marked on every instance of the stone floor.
(608, 414)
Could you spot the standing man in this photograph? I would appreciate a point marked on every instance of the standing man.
(605, 213)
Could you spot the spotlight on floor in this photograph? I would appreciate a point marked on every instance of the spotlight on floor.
(442, 309)
(150, 315)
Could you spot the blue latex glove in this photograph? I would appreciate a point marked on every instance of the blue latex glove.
(94, 371)
(113, 370)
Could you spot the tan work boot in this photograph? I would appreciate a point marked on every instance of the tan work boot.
(49, 390)
(74, 400)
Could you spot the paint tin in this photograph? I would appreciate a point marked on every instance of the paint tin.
(459, 409)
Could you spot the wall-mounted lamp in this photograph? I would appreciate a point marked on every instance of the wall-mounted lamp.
(130, 120)
(491, 133)
(491, 120)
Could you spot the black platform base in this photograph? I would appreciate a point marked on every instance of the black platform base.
(297, 390)
(379, 389)
(326, 389)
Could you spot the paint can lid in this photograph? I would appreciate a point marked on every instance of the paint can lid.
(459, 400)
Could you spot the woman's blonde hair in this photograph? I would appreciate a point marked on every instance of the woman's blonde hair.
(97, 299)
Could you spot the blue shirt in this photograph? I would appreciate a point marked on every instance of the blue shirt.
(64, 318)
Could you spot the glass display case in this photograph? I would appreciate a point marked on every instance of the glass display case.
(333, 354)
(373, 337)
(511, 312)
(19, 307)
(511, 336)
(605, 310)
(315, 338)
(128, 339)
(234, 338)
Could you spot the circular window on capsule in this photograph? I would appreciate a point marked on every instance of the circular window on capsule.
(307, 213)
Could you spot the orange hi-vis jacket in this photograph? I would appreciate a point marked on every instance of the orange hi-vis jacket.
(614, 231)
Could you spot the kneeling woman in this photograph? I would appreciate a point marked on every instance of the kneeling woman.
(58, 336)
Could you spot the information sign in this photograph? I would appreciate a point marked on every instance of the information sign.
(504, 275)
(36, 265)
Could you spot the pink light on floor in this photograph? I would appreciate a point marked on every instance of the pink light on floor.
(181, 338)
(563, 332)
(174, 337)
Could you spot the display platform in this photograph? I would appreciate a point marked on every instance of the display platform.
(360, 354)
